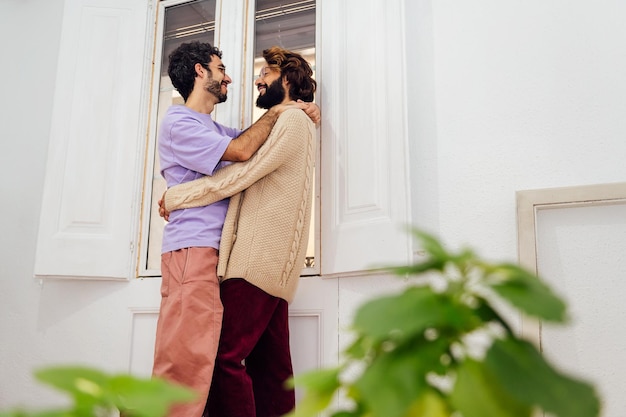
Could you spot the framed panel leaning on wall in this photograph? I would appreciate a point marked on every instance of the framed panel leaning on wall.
(575, 239)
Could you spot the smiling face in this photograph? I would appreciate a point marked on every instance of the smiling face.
(217, 81)
(271, 89)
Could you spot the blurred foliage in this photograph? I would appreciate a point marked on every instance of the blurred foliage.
(442, 348)
(97, 394)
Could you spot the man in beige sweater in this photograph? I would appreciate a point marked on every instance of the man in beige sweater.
(263, 247)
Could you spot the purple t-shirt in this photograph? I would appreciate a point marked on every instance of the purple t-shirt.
(191, 145)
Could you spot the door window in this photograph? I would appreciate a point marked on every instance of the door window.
(289, 24)
(181, 22)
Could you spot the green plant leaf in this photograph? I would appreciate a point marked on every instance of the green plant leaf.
(147, 397)
(390, 385)
(44, 413)
(527, 292)
(318, 379)
(359, 348)
(400, 340)
(419, 268)
(320, 386)
(87, 387)
(435, 258)
(410, 313)
(431, 245)
(525, 374)
(74, 379)
(344, 413)
(487, 314)
(429, 404)
(92, 389)
(477, 394)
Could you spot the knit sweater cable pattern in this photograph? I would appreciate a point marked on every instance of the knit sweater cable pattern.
(297, 241)
(267, 225)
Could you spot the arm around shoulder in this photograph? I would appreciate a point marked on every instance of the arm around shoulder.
(245, 145)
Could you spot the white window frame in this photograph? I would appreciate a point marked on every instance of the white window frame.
(158, 17)
(247, 108)
(237, 111)
(531, 202)
(90, 209)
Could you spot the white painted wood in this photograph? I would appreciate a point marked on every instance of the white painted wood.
(142, 339)
(160, 88)
(231, 36)
(313, 323)
(89, 203)
(318, 296)
(314, 328)
(364, 143)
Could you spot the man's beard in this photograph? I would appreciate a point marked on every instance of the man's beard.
(215, 87)
(274, 94)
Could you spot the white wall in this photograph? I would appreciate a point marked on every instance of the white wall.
(52, 321)
(29, 34)
(510, 96)
(506, 96)
(502, 96)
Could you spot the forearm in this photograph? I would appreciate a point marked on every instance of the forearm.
(280, 146)
(195, 193)
(245, 145)
(225, 183)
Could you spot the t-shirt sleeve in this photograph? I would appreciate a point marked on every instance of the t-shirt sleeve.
(196, 147)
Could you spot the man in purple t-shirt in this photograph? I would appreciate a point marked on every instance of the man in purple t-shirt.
(192, 145)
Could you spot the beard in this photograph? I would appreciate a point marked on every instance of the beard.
(215, 87)
(274, 94)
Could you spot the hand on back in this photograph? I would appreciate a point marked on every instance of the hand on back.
(311, 109)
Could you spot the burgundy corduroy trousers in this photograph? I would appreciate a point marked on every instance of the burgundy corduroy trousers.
(253, 359)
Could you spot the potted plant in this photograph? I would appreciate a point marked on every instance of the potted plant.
(440, 348)
(443, 347)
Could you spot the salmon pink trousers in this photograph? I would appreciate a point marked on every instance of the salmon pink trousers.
(189, 324)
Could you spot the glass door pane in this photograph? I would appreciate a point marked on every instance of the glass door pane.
(187, 22)
(288, 24)
(183, 22)
(291, 25)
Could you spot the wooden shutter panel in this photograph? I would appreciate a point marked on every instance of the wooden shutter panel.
(364, 143)
(90, 194)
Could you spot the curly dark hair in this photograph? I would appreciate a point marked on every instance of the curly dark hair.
(297, 70)
(183, 60)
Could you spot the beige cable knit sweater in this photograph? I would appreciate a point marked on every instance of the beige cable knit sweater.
(265, 235)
